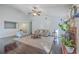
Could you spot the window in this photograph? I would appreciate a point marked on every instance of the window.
(9, 25)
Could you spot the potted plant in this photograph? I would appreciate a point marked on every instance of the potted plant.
(69, 44)
(64, 26)
(66, 38)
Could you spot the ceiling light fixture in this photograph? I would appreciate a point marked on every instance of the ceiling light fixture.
(35, 11)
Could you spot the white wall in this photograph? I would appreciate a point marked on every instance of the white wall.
(39, 22)
(53, 15)
(10, 14)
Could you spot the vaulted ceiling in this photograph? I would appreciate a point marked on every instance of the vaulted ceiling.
(50, 9)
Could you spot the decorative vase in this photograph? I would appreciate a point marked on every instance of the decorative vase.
(69, 49)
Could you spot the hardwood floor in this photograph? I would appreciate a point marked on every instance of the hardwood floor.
(26, 49)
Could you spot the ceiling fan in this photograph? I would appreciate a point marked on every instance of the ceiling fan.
(35, 11)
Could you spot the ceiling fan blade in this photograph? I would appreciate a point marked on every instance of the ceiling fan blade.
(29, 12)
(39, 12)
(35, 7)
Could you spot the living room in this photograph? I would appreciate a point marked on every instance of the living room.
(35, 23)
